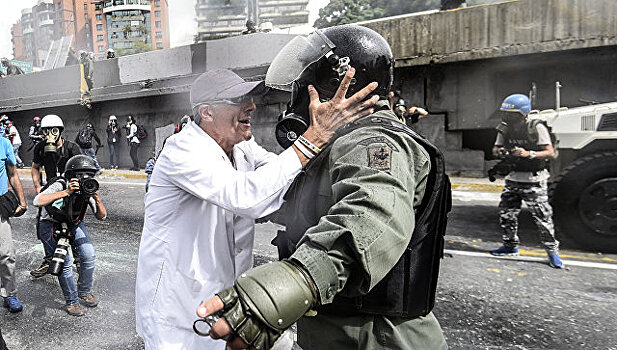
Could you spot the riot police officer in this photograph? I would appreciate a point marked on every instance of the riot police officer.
(370, 207)
(529, 142)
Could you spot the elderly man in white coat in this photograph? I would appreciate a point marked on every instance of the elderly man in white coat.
(210, 183)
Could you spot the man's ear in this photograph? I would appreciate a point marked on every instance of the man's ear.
(205, 111)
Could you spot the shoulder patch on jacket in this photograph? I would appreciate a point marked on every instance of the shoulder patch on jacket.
(378, 139)
(380, 157)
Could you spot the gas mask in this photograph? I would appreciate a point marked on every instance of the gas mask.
(512, 119)
(52, 135)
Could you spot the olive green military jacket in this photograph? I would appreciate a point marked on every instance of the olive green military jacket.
(376, 179)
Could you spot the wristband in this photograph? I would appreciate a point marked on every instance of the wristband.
(308, 154)
(24, 208)
(309, 144)
(532, 154)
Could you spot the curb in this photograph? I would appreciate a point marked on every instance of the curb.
(458, 184)
(122, 173)
(478, 187)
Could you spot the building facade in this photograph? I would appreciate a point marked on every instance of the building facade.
(127, 26)
(222, 18)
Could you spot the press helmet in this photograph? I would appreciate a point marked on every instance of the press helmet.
(79, 164)
(322, 59)
(112, 117)
(52, 121)
(516, 103)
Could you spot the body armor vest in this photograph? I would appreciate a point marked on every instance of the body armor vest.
(527, 138)
(408, 290)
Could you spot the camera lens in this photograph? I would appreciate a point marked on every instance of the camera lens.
(89, 186)
(57, 262)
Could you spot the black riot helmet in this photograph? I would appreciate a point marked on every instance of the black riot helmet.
(322, 59)
(79, 164)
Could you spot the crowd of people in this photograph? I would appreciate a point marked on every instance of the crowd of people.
(359, 262)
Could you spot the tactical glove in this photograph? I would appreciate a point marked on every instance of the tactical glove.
(267, 300)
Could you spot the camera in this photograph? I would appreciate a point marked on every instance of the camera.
(87, 186)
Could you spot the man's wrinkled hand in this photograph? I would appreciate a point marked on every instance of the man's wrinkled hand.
(328, 116)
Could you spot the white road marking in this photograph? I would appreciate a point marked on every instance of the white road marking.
(468, 196)
(120, 182)
(594, 265)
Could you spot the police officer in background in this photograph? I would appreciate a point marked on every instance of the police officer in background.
(529, 142)
(364, 222)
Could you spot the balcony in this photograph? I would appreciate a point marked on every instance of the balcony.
(218, 18)
(277, 3)
(28, 30)
(126, 5)
(46, 22)
(45, 9)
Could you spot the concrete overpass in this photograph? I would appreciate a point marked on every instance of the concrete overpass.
(459, 64)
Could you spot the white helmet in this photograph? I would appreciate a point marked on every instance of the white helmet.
(52, 121)
(112, 117)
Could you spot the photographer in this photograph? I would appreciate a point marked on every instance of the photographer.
(113, 136)
(65, 202)
(133, 141)
(528, 143)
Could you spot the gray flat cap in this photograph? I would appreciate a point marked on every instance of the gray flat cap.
(222, 84)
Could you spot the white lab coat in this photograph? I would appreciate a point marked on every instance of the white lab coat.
(198, 229)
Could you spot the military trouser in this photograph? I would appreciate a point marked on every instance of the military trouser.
(364, 332)
(535, 195)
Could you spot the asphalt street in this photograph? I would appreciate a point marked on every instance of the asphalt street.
(482, 302)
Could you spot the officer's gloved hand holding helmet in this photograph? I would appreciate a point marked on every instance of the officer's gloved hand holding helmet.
(268, 299)
(322, 59)
(52, 127)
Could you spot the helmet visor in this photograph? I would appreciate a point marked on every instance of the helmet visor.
(295, 57)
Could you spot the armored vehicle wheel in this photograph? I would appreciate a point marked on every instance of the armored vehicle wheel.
(584, 200)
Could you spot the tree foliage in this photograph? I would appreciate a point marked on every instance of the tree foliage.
(351, 11)
(138, 48)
